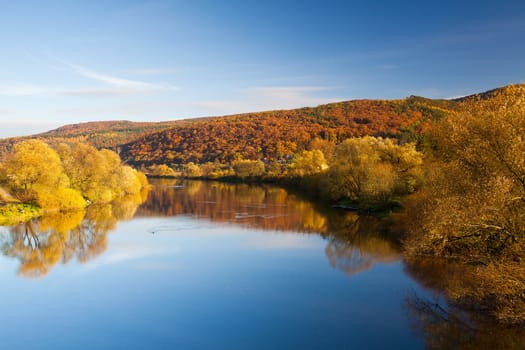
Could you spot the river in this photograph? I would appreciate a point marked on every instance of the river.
(208, 265)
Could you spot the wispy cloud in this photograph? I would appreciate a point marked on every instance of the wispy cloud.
(247, 100)
(482, 32)
(153, 71)
(109, 85)
(287, 90)
(125, 252)
(287, 79)
(115, 81)
(111, 91)
(16, 126)
(265, 98)
(271, 98)
(114, 85)
(21, 89)
(289, 96)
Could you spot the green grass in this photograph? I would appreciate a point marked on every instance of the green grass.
(12, 214)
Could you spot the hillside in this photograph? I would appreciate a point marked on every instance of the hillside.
(265, 135)
(103, 134)
(278, 134)
(486, 95)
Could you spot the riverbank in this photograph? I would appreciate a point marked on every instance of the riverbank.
(14, 213)
(309, 186)
(487, 289)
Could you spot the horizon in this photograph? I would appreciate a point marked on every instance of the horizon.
(154, 61)
(235, 114)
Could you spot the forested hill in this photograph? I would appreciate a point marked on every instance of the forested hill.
(103, 134)
(278, 134)
(264, 135)
(489, 94)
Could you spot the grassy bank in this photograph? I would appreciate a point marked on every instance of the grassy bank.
(14, 213)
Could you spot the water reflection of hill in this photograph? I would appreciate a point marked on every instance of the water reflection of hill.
(354, 243)
(264, 207)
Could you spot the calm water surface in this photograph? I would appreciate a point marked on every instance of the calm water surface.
(203, 265)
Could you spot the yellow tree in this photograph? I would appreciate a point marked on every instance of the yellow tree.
(192, 170)
(371, 169)
(476, 201)
(34, 171)
(99, 175)
(325, 146)
(246, 168)
(82, 164)
(32, 165)
(162, 170)
(473, 206)
(308, 163)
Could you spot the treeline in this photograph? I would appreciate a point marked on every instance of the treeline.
(278, 135)
(367, 173)
(67, 177)
(264, 135)
(104, 134)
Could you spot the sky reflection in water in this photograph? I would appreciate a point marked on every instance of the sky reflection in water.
(211, 266)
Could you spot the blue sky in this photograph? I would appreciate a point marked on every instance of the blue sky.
(73, 61)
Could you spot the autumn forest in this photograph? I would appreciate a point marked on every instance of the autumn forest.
(448, 176)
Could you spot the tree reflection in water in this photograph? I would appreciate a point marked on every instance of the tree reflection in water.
(261, 207)
(449, 326)
(59, 237)
(355, 243)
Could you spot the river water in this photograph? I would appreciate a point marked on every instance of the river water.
(208, 265)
